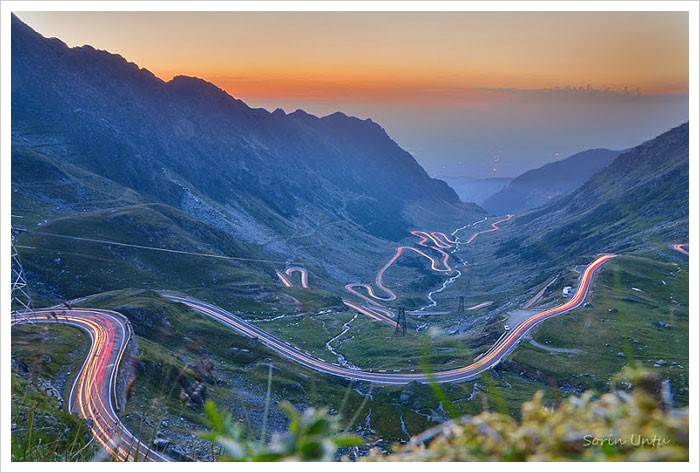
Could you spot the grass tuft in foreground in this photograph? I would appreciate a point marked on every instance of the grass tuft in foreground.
(630, 423)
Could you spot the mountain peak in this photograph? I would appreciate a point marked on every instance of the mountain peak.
(124, 126)
(302, 115)
(182, 83)
(336, 116)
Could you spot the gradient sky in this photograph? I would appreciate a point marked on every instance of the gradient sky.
(467, 93)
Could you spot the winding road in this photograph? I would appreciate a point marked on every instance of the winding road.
(302, 271)
(494, 227)
(435, 241)
(441, 266)
(486, 361)
(93, 394)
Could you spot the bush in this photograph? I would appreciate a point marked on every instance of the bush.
(627, 424)
(313, 435)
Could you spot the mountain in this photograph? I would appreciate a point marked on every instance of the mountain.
(293, 187)
(637, 202)
(551, 181)
(477, 190)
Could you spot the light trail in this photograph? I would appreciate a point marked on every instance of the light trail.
(679, 247)
(284, 279)
(486, 361)
(436, 241)
(494, 226)
(303, 272)
(93, 394)
(373, 312)
(480, 306)
(391, 295)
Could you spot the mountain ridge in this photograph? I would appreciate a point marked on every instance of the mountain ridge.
(261, 177)
(551, 181)
(639, 200)
(245, 136)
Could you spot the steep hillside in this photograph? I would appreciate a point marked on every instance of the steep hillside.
(543, 185)
(640, 200)
(173, 140)
(92, 132)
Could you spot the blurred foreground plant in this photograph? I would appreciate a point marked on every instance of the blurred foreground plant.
(314, 435)
(631, 423)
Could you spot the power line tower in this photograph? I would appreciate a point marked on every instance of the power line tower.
(401, 321)
(460, 309)
(20, 296)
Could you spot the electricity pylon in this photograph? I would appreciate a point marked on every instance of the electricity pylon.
(20, 297)
(401, 321)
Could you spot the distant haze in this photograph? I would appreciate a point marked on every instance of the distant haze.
(467, 93)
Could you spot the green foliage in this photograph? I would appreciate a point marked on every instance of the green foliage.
(624, 425)
(42, 431)
(313, 435)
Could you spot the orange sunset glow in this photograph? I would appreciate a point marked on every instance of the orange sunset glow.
(365, 54)
(447, 86)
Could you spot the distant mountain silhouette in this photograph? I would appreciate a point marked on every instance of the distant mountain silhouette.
(477, 190)
(549, 182)
(637, 202)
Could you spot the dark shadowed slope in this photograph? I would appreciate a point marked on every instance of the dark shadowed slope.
(188, 143)
(93, 133)
(543, 185)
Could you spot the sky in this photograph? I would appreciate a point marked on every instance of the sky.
(483, 94)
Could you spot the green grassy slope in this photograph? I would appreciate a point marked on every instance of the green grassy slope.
(621, 326)
(77, 268)
(45, 187)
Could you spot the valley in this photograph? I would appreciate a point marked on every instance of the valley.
(180, 251)
(408, 358)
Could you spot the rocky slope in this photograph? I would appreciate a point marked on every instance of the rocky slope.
(293, 186)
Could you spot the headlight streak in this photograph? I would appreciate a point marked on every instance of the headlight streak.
(439, 241)
(484, 362)
(93, 394)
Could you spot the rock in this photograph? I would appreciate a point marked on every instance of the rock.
(661, 324)
(179, 454)
(408, 394)
(161, 443)
(620, 354)
(659, 363)
(405, 398)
